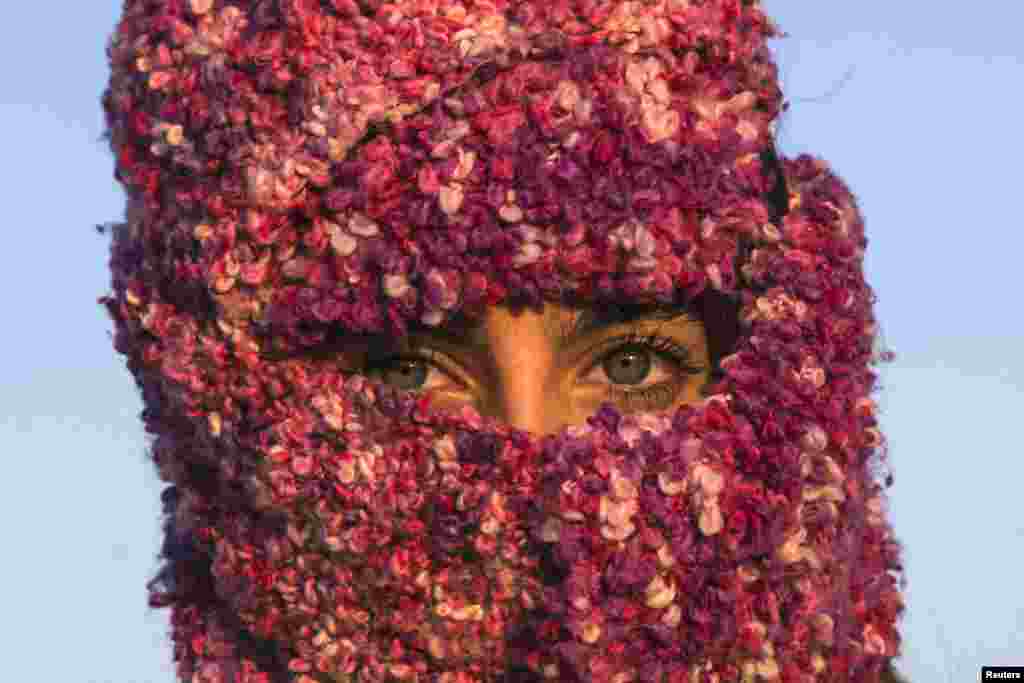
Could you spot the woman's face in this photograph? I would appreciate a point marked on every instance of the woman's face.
(542, 370)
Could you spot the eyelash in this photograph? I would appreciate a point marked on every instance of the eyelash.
(655, 397)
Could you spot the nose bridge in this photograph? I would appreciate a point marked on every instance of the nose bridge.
(523, 401)
(524, 360)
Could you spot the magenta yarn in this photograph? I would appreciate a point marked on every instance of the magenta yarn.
(300, 169)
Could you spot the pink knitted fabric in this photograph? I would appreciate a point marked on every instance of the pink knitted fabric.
(298, 170)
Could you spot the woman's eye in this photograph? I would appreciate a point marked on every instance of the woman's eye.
(408, 373)
(627, 366)
(631, 365)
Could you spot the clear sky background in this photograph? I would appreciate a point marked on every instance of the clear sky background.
(917, 104)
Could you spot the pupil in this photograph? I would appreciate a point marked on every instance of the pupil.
(627, 367)
(407, 375)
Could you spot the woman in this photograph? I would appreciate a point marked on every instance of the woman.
(491, 341)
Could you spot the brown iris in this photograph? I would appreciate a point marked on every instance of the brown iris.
(629, 365)
(407, 374)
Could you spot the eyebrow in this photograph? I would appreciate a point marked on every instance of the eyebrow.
(460, 330)
(590, 320)
(466, 332)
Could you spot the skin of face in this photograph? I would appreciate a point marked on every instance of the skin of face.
(531, 369)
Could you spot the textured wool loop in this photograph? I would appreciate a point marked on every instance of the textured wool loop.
(298, 170)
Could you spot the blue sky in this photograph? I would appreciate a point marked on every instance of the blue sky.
(915, 103)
